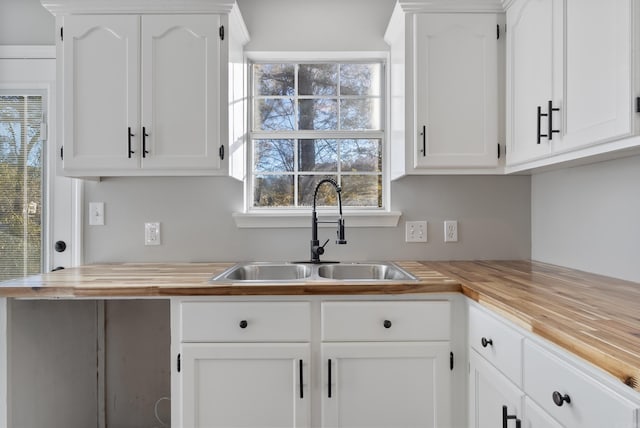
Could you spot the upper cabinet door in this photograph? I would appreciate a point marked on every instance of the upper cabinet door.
(534, 49)
(598, 96)
(181, 75)
(100, 91)
(456, 60)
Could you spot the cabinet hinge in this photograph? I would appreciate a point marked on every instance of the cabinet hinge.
(179, 363)
(451, 360)
(498, 31)
(221, 152)
(637, 104)
(61, 33)
(221, 32)
(62, 152)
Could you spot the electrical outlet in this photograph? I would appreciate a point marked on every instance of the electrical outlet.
(450, 231)
(152, 234)
(96, 213)
(415, 231)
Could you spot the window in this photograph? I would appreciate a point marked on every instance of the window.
(21, 172)
(314, 120)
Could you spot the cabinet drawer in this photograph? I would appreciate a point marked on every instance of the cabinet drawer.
(245, 321)
(385, 321)
(497, 342)
(592, 405)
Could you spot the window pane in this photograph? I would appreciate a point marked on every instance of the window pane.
(362, 190)
(273, 155)
(274, 114)
(273, 191)
(21, 183)
(318, 114)
(318, 155)
(360, 79)
(274, 79)
(361, 155)
(360, 114)
(326, 193)
(318, 79)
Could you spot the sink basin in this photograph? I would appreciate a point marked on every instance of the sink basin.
(364, 271)
(268, 272)
(264, 271)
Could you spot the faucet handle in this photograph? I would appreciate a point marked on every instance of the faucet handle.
(320, 249)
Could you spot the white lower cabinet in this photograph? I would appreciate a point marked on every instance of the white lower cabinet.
(245, 385)
(277, 364)
(493, 399)
(541, 385)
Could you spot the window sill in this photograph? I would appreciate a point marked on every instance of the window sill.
(288, 219)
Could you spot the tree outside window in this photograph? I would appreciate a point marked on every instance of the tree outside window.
(316, 120)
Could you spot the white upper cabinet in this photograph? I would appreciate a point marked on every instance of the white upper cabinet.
(145, 86)
(445, 108)
(456, 90)
(569, 79)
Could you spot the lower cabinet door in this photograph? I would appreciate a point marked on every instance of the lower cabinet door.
(250, 385)
(535, 417)
(489, 392)
(386, 385)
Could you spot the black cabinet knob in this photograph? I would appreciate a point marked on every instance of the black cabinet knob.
(60, 246)
(560, 399)
(57, 268)
(386, 324)
(243, 324)
(486, 342)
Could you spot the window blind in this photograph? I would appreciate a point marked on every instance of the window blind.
(21, 168)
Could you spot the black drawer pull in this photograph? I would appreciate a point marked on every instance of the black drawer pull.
(301, 382)
(560, 399)
(244, 324)
(386, 324)
(486, 342)
(329, 377)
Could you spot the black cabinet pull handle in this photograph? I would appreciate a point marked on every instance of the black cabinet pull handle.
(486, 342)
(560, 399)
(144, 142)
(129, 136)
(60, 246)
(329, 377)
(243, 324)
(550, 111)
(506, 417)
(386, 324)
(301, 382)
(540, 115)
(424, 140)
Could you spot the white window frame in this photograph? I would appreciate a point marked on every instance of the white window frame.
(262, 217)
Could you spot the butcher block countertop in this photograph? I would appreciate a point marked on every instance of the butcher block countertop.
(592, 316)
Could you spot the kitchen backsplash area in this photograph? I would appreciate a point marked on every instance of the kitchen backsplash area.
(195, 213)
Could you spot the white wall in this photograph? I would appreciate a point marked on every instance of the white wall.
(588, 218)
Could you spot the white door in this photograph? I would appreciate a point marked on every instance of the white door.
(534, 66)
(535, 417)
(386, 385)
(489, 392)
(100, 94)
(181, 104)
(253, 385)
(598, 67)
(457, 90)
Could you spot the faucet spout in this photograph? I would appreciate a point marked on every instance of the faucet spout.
(316, 249)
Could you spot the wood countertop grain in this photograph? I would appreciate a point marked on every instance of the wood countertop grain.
(594, 317)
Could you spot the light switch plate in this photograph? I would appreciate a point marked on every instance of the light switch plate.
(152, 234)
(96, 213)
(415, 231)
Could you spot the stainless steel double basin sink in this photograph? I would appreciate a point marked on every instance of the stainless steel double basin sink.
(275, 272)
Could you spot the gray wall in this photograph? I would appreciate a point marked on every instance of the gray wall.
(588, 218)
(25, 22)
(195, 214)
